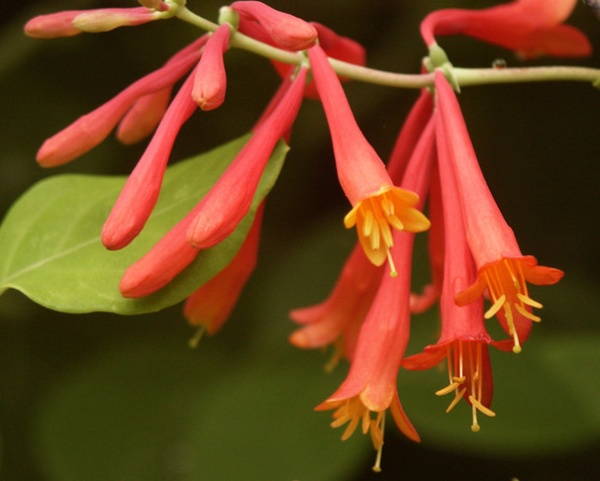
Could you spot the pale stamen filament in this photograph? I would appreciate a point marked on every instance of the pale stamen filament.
(475, 379)
(197, 337)
(354, 412)
(377, 429)
(393, 271)
(459, 395)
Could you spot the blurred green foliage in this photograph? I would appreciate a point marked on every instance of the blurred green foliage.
(98, 396)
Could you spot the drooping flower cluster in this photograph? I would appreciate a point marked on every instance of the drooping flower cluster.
(146, 108)
(474, 253)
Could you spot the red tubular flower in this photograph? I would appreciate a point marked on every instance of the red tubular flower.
(501, 268)
(464, 340)
(223, 207)
(529, 27)
(286, 31)
(338, 319)
(377, 205)
(167, 258)
(210, 81)
(140, 193)
(370, 386)
(230, 198)
(72, 22)
(91, 129)
(210, 305)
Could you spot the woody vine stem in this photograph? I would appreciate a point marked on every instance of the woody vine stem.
(460, 76)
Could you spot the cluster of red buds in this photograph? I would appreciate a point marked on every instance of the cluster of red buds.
(473, 252)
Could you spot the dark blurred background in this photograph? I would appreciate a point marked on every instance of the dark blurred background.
(538, 145)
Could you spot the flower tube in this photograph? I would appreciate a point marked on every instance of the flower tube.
(377, 205)
(502, 269)
(529, 27)
(370, 386)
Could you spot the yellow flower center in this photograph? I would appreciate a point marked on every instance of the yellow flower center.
(507, 287)
(375, 217)
(354, 412)
(465, 375)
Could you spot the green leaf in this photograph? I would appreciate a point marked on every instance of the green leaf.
(158, 411)
(50, 240)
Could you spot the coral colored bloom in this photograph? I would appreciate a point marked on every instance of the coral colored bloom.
(230, 198)
(338, 319)
(210, 80)
(286, 31)
(140, 193)
(464, 340)
(210, 305)
(529, 27)
(370, 386)
(159, 266)
(377, 205)
(91, 129)
(501, 267)
(73, 22)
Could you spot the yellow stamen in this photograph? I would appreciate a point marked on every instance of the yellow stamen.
(507, 286)
(375, 217)
(457, 397)
(335, 358)
(529, 301)
(354, 412)
(197, 337)
(377, 440)
(465, 375)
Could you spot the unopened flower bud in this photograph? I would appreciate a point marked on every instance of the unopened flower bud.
(143, 117)
(106, 19)
(286, 31)
(211, 304)
(210, 81)
(54, 25)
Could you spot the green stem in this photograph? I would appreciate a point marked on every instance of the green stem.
(464, 77)
(479, 76)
